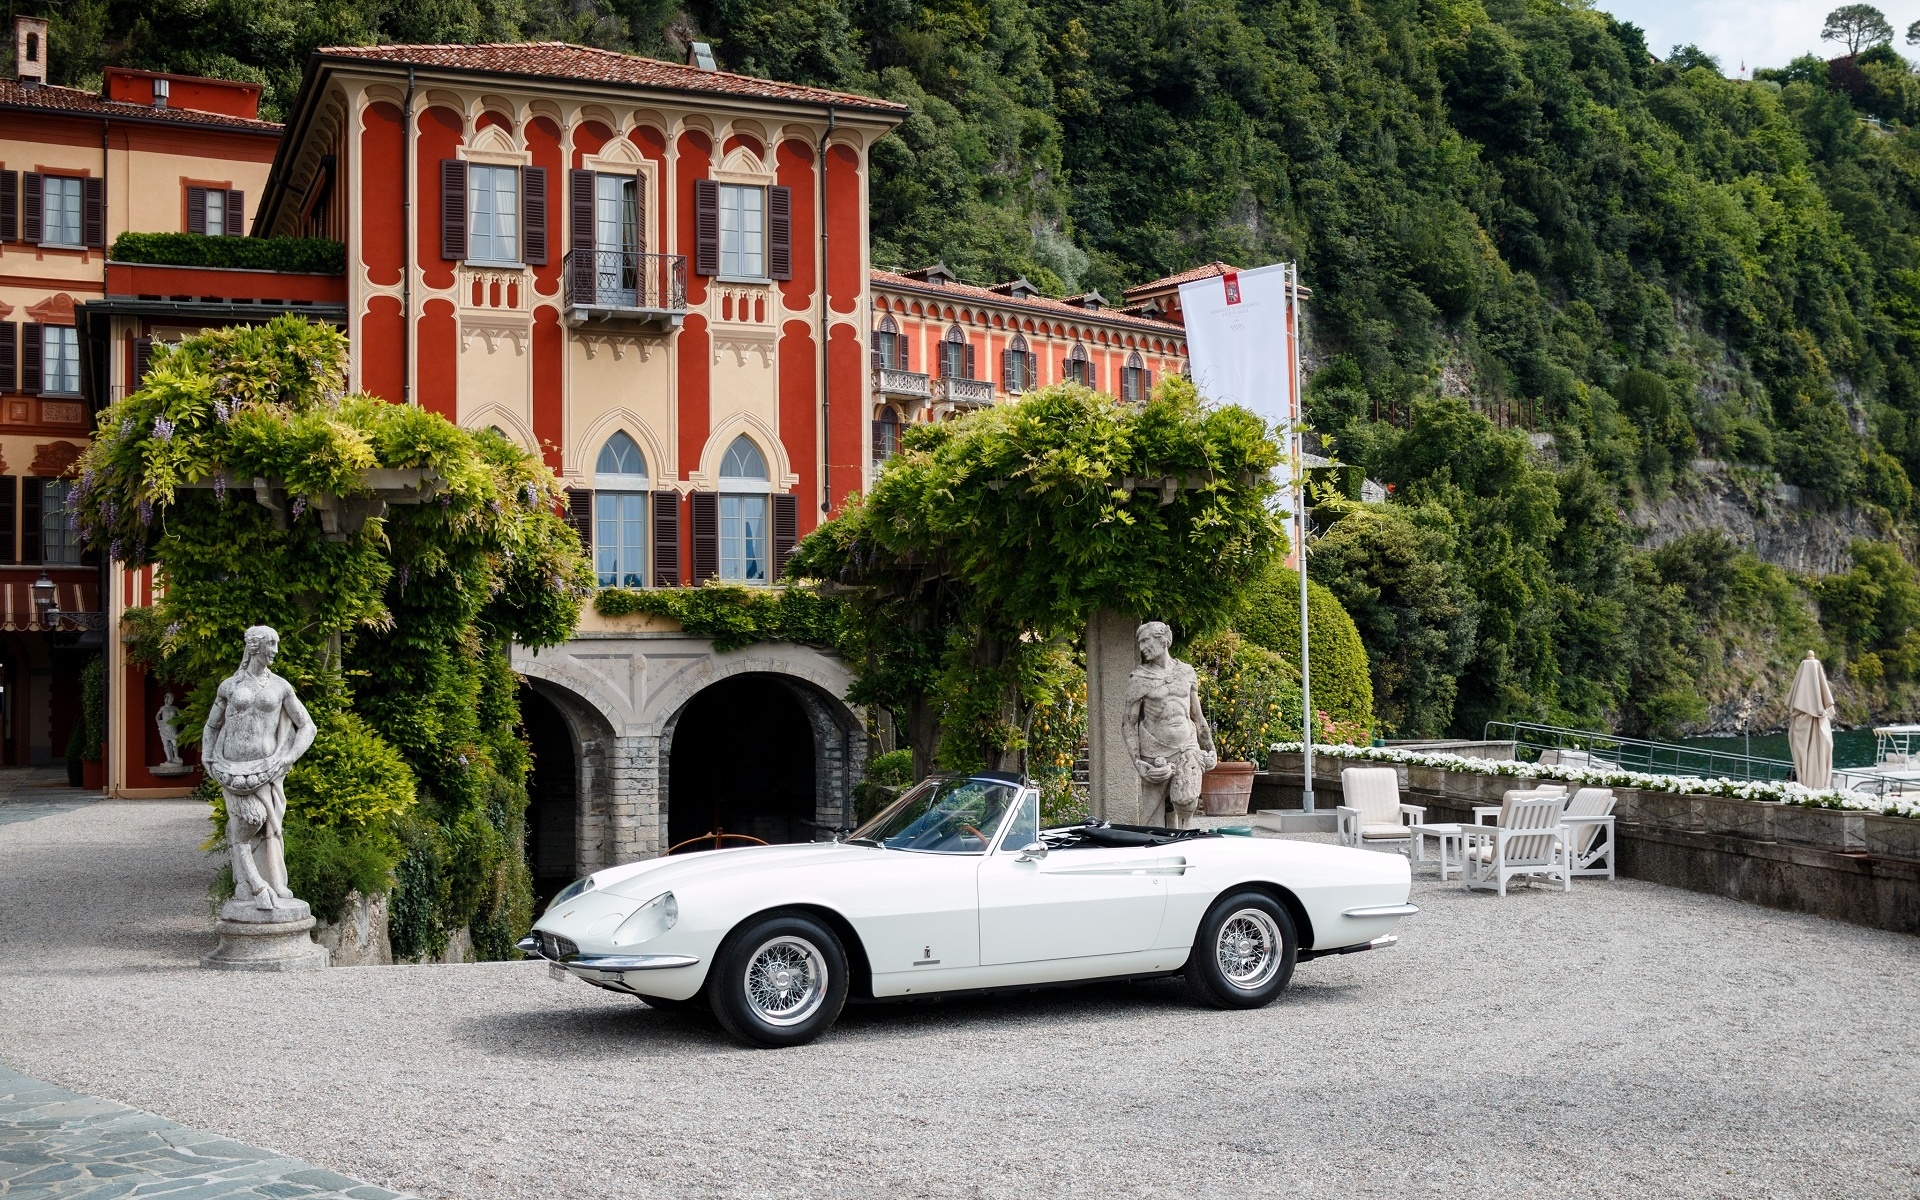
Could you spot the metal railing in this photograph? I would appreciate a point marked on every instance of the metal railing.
(625, 280)
(1532, 741)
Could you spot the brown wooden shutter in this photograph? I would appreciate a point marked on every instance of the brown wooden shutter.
(706, 232)
(9, 357)
(780, 233)
(640, 225)
(533, 213)
(1009, 371)
(1146, 387)
(786, 530)
(31, 492)
(142, 355)
(30, 357)
(32, 227)
(1033, 370)
(9, 206)
(236, 214)
(971, 368)
(9, 486)
(453, 209)
(93, 213)
(196, 210)
(666, 538)
(705, 513)
(580, 515)
(580, 233)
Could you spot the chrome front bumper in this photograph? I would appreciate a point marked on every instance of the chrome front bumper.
(530, 946)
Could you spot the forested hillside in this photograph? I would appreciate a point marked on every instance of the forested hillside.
(1506, 209)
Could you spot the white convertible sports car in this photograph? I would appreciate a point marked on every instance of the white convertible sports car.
(955, 887)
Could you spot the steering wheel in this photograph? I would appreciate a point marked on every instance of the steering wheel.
(975, 832)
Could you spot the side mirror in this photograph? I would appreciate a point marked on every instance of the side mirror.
(1032, 852)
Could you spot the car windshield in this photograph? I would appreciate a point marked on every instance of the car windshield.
(946, 816)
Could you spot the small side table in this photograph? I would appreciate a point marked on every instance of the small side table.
(1443, 834)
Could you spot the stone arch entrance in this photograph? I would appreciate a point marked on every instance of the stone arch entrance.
(665, 739)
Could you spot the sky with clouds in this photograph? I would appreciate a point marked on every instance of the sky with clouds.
(1760, 33)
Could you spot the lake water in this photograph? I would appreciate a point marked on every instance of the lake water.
(1851, 747)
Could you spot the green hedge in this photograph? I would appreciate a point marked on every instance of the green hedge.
(1270, 617)
(732, 615)
(313, 256)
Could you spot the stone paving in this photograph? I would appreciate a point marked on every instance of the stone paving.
(28, 793)
(61, 1145)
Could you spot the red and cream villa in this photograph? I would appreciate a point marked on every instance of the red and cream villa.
(654, 274)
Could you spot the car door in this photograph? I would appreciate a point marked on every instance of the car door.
(1072, 903)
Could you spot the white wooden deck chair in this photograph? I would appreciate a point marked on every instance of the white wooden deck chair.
(1484, 814)
(1373, 812)
(1589, 811)
(1529, 840)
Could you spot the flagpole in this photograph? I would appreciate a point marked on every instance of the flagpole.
(1294, 440)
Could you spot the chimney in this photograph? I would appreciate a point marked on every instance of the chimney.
(30, 50)
(700, 54)
(161, 87)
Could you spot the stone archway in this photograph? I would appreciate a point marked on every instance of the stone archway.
(624, 698)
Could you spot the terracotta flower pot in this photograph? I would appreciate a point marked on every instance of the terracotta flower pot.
(1225, 790)
(93, 773)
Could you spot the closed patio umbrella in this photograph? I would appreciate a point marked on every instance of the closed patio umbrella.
(1810, 724)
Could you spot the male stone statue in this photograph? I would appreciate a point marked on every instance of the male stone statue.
(1166, 734)
(255, 732)
(169, 732)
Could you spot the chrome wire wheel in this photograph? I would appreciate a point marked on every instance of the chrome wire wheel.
(786, 980)
(1248, 949)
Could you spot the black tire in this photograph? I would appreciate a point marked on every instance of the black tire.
(1255, 921)
(780, 980)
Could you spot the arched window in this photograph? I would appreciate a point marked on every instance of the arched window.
(889, 348)
(956, 354)
(745, 546)
(620, 513)
(1019, 367)
(1077, 367)
(886, 435)
(1135, 380)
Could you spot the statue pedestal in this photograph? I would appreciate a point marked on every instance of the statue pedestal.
(263, 939)
(168, 769)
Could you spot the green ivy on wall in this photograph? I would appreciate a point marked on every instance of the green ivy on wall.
(732, 615)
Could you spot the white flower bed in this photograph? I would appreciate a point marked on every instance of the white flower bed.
(1742, 789)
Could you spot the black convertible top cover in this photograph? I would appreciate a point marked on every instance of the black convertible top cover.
(1104, 833)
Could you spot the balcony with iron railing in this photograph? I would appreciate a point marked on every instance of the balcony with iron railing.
(625, 287)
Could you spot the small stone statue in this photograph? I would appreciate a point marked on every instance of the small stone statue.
(1166, 734)
(255, 732)
(169, 732)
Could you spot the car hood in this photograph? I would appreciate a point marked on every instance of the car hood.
(682, 870)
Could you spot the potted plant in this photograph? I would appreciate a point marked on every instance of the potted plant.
(1251, 699)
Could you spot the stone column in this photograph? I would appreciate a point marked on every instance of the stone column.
(1114, 785)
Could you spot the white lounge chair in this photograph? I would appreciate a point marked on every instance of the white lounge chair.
(1589, 811)
(1373, 812)
(1485, 813)
(1529, 840)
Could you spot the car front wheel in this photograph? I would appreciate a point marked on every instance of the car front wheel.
(779, 981)
(1244, 952)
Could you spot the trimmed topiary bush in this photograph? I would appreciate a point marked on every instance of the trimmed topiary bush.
(1269, 616)
(306, 256)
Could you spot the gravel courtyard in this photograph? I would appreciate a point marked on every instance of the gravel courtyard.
(1627, 1039)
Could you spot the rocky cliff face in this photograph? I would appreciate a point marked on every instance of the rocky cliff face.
(1780, 523)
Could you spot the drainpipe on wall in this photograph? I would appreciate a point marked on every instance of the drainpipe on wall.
(406, 268)
(826, 364)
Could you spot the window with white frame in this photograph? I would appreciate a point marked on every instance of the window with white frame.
(743, 231)
(59, 541)
(616, 238)
(745, 544)
(60, 211)
(59, 359)
(493, 214)
(620, 514)
(216, 213)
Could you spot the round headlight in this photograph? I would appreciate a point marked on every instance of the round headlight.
(650, 920)
(578, 887)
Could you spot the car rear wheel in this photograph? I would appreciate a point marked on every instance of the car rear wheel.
(779, 981)
(1243, 953)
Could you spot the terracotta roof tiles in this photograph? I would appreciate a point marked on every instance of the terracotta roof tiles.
(47, 98)
(1042, 304)
(586, 64)
(1187, 276)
